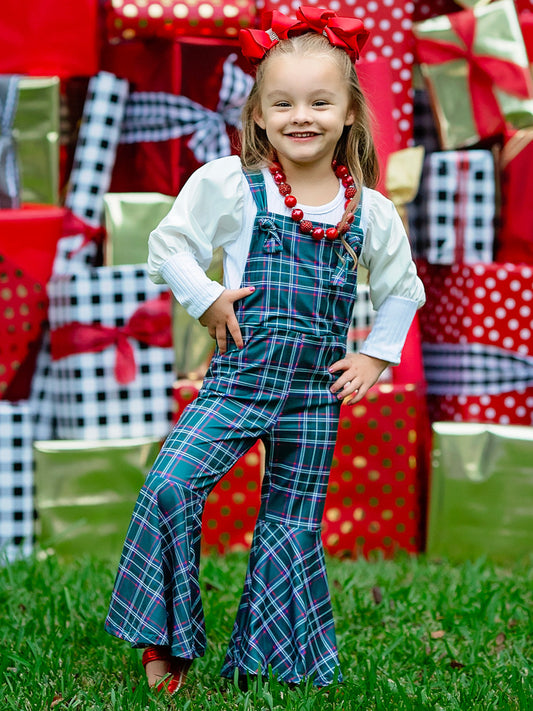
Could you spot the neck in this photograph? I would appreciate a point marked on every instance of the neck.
(312, 184)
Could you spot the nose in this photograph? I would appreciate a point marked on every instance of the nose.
(300, 114)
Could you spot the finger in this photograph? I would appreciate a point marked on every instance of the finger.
(242, 293)
(340, 384)
(221, 339)
(234, 329)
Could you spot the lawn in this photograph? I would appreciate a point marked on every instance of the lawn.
(412, 633)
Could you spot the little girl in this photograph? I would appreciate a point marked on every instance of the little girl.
(280, 370)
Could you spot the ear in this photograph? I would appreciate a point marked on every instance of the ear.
(350, 118)
(258, 118)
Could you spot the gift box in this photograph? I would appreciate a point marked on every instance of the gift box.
(167, 20)
(36, 130)
(376, 491)
(458, 193)
(39, 40)
(390, 38)
(17, 508)
(112, 356)
(95, 152)
(514, 242)
(232, 507)
(476, 332)
(9, 174)
(481, 492)
(129, 218)
(86, 491)
(477, 73)
(432, 8)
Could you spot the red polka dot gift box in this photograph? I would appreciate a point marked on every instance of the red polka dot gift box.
(477, 328)
(232, 507)
(167, 19)
(390, 23)
(377, 481)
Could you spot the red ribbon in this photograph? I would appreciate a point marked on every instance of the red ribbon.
(346, 33)
(150, 324)
(484, 72)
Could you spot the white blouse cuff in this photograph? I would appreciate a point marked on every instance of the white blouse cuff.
(189, 283)
(387, 337)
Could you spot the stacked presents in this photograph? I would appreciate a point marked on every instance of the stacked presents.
(102, 123)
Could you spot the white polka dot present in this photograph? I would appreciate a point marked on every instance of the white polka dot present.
(389, 23)
(129, 19)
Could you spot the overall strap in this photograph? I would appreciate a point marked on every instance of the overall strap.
(256, 182)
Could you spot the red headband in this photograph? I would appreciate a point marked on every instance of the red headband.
(347, 33)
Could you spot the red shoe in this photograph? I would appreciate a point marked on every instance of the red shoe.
(178, 668)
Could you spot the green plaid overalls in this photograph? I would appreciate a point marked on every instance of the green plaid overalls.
(275, 388)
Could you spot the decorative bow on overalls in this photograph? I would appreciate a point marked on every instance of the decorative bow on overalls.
(159, 116)
(150, 324)
(9, 174)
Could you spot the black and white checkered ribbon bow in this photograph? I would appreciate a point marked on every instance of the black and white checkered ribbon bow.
(9, 173)
(160, 116)
(474, 369)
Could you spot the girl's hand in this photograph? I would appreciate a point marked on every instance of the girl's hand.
(221, 316)
(358, 373)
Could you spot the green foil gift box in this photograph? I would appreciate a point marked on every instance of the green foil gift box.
(476, 70)
(36, 132)
(86, 491)
(481, 492)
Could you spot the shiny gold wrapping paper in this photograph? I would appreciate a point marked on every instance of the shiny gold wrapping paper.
(481, 494)
(36, 131)
(402, 178)
(86, 490)
(498, 35)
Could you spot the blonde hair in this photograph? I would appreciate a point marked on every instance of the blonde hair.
(355, 148)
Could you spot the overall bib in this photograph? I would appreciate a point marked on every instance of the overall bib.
(276, 388)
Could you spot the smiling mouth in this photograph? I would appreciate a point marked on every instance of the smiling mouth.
(302, 134)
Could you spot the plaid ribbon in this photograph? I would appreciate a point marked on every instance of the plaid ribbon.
(9, 173)
(95, 152)
(474, 369)
(159, 116)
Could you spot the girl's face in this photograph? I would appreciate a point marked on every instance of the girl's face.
(304, 108)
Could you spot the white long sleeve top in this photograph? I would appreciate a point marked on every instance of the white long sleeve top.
(215, 208)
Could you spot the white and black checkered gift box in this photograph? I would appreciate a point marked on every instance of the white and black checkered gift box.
(89, 401)
(17, 508)
(96, 148)
(459, 193)
(362, 319)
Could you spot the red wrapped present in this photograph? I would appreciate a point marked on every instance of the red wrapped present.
(389, 22)
(509, 408)
(232, 507)
(169, 19)
(477, 73)
(23, 306)
(378, 476)
(515, 237)
(42, 38)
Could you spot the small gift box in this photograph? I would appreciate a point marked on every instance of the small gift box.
(481, 492)
(514, 241)
(477, 73)
(514, 407)
(36, 130)
(86, 491)
(112, 356)
(232, 507)
(167, 19)
(17, 508)
(458, 192)
(129, 219)
(377, 481)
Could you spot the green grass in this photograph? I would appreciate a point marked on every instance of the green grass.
(413, 634)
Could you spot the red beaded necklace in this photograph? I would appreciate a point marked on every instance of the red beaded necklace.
(306, 226)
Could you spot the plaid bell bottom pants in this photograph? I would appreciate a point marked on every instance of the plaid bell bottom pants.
(276, 388)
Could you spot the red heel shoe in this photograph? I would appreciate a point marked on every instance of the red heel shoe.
(178, 668)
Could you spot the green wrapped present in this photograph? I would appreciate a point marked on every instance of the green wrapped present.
(481, 495)
(86, 490)
(36, 132)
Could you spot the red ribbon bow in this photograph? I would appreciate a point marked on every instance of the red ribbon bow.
(346, 33)
(150, 324)
(484, 72)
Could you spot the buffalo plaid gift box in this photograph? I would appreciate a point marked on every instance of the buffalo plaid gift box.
(112, 355)
(377, 480)
(16, 480)
(459, 200)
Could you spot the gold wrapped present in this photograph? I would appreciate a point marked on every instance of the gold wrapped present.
(476, 69)
(36, 132)
(402, 178)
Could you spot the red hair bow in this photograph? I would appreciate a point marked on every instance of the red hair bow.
(347, 33)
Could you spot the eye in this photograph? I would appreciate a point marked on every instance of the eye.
(320, 103)
(282, 104)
